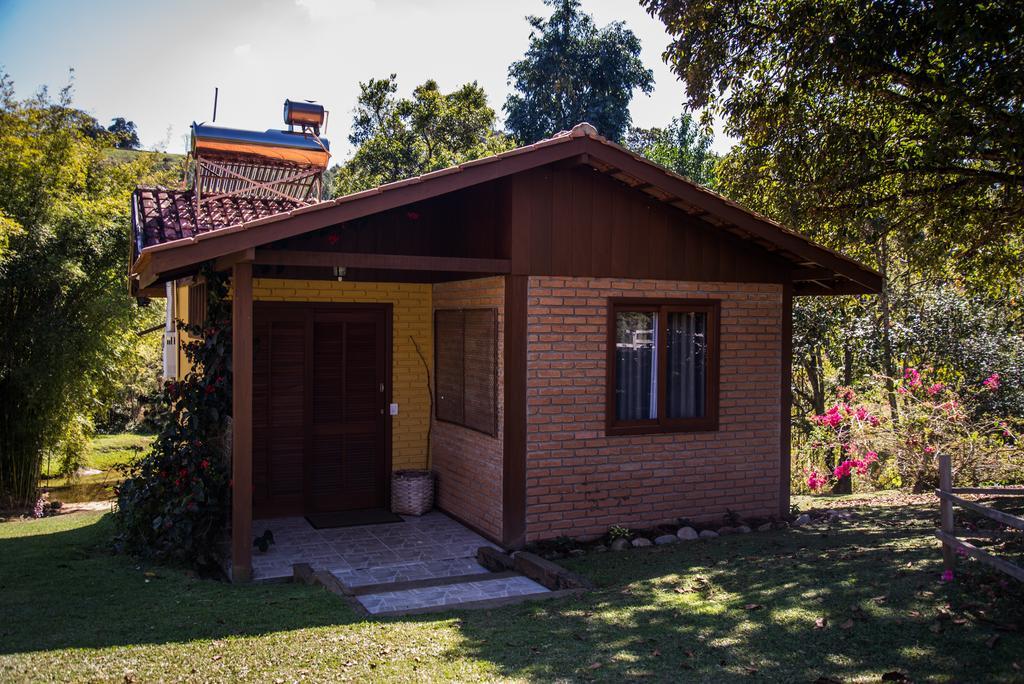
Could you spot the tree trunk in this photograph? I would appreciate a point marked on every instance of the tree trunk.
(888, 362)
(816, 379)
(847, 365)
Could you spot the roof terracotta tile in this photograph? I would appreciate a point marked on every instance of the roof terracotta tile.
(165, 215)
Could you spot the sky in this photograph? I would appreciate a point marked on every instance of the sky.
(157, 63)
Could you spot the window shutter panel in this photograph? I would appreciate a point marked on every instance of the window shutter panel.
(448, 336)
(197, 304)
(481, 341)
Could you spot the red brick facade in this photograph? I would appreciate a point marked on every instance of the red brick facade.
(468, 463)
(579, 481)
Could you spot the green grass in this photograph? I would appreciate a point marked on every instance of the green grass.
(104, 454)
(164, 160)
(739, 608)
(107, 451)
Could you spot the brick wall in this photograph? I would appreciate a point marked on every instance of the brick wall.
(469, 463)
(411, 317)
(579, 481)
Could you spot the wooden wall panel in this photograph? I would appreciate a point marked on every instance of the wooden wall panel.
(557, 220)
(561, 224)
(541, 195)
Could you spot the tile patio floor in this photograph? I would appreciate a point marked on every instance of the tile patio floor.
(430, 547)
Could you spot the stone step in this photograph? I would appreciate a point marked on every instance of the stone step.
(433, 582)
(495, 588)
(408, 572)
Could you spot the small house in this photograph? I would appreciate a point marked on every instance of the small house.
(569, 335)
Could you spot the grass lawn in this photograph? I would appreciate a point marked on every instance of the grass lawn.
(850, 604)
(105, 452)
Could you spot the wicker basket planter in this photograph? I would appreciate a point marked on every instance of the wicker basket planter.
(412, 492)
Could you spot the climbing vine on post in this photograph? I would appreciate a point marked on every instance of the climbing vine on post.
(174, 502)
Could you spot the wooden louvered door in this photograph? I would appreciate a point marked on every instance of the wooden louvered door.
(346, 466)
(279, 410)
(321, 384)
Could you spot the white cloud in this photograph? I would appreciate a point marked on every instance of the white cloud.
(336, 9)
(243, 50)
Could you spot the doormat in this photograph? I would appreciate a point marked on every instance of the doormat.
(366, 516)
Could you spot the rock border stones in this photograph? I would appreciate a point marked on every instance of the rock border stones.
(682, 531)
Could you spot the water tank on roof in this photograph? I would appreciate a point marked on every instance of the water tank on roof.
(304, 115)
(298, 148)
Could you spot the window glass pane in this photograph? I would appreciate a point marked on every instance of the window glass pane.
(686, 365)
(636, 374)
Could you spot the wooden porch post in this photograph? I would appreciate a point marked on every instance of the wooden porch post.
(513, 495)
(786, 400)
(241, 432)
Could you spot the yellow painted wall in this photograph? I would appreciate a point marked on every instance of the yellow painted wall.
(181, 314)
(411, 316)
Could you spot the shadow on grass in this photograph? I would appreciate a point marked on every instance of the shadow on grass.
(750, 607)
(61, 589)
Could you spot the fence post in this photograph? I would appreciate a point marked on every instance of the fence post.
(946, 506)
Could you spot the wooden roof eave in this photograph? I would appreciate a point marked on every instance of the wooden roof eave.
(211, 245)
(156, 261)
(716, 205)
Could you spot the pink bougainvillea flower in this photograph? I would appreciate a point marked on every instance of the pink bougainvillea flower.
(947, 576)
(912, 376)
(930, 450)
(936, 389)
(991, 383)
(815, 480)
(870, 457)
(833, 417)
(843, 469)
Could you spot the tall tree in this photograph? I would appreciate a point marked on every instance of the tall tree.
(894, 132)
(892, 120)
(126, 136)
(67, 324)
(681, 146)
(398, 138)
(574, 72)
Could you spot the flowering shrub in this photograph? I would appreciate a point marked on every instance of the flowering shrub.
(174, 501)
(840, 437)
(854, 440)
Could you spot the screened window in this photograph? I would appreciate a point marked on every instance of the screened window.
(466, 353)
(662, 366)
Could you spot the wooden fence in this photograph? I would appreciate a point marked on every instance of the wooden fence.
(952, 544)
